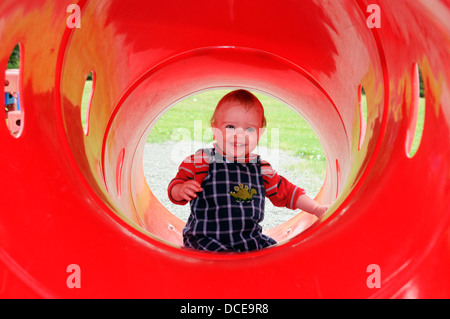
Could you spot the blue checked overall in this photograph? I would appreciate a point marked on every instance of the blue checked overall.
(225, 216)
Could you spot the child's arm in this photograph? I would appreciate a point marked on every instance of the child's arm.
(309, 205)
(186, 184)
(185, 191)
(282, 193)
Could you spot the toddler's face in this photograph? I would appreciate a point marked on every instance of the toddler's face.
(237, 130)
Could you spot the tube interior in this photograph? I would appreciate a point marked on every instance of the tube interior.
(129, 97)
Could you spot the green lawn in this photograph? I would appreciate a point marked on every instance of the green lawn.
(289, 124)
(419, 127)
(285, 130)
(85, 101)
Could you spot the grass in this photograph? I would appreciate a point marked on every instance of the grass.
(280, 117)
(285, 130)
(85, 101)
(419, 127)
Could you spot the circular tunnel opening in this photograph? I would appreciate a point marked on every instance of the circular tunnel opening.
(115, 166)
(124, 149)
(322, 90)
(288, 143)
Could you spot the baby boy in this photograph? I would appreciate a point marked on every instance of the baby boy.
(226, 185)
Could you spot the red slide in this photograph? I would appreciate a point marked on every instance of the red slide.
(78, 219)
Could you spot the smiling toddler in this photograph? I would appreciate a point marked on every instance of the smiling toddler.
(227, 184)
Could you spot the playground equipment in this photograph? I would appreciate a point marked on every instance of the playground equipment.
(78, 218)
(12, 101)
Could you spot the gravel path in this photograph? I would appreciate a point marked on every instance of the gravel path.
(161, 163)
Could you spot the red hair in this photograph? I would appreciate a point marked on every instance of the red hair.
(241, 97)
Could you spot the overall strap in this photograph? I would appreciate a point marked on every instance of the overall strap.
(202, 159)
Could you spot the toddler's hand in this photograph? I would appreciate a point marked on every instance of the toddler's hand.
(186, 191)
(320, 210)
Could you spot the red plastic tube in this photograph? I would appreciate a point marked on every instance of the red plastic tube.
(78, 218)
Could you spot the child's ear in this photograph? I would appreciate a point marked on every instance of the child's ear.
(261, 131)
(216, 132)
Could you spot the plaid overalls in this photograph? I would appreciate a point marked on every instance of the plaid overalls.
(225, 216)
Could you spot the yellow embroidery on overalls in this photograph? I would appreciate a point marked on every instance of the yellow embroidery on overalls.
(242, 193)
